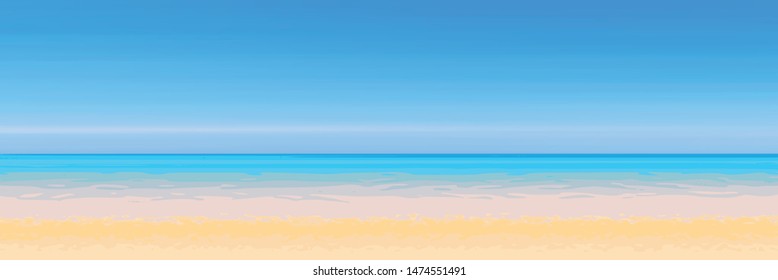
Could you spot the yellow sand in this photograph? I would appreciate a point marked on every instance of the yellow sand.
(382, 238)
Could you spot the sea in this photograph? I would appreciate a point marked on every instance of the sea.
(408, 175)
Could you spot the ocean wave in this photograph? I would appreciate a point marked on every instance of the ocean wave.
(58, 186)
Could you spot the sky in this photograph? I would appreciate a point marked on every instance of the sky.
(239, 76)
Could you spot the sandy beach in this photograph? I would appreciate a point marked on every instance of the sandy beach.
(385, 238)
(386, 207)
(564, 226)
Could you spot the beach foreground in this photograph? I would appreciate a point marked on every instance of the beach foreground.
(333, 207)
(385, 238)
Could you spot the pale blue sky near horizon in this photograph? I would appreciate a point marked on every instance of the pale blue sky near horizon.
(238, 76)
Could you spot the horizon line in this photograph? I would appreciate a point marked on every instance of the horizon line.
(398, 154)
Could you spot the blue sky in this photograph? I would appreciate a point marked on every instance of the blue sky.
(173, 76)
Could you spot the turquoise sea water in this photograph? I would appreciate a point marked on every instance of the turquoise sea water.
(305, 176)
(411, 164)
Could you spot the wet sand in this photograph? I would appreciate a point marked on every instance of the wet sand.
(567, 205)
